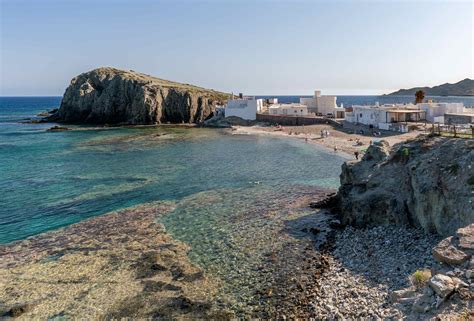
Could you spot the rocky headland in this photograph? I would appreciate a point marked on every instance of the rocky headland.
(402, 200)
(424, 182)
(115, 97)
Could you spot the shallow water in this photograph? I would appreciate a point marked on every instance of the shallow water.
(52, 179)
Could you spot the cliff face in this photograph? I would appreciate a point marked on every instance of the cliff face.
(112, 96)
(432, 187)
(462, 88)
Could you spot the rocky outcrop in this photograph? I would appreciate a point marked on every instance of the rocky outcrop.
(426, 182)
(112, 96)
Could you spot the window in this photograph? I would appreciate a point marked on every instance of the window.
(360, 115)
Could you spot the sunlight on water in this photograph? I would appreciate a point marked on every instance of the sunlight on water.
(50, 180)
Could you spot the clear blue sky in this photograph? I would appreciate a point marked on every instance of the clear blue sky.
(255, 47)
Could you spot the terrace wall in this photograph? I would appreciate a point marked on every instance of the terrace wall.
(295, 120)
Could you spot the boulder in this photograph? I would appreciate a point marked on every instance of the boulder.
(447, 252)
(466, 238)
(113, 96)
(443, 285)
(377, 151)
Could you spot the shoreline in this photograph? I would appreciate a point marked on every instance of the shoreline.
(65, 272)
(71, 272)
(344, 142)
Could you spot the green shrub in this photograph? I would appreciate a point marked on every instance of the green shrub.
(420, 277)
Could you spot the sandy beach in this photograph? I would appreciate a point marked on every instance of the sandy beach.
(346, 140)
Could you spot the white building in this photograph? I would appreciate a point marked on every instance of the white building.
(323, 105)
(435, 111)
(245, 108)
(464, 118)
(387, 117)
(288, 109)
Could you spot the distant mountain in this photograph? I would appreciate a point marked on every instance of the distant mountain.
(463, 88)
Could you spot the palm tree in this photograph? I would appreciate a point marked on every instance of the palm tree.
(419, 96)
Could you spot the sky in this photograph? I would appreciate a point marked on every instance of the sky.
(254, 47)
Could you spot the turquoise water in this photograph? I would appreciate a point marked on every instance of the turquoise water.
(52, 179)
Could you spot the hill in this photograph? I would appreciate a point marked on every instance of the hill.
(462, 88)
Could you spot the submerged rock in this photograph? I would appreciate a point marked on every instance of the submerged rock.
(113, 96)
(58, 129)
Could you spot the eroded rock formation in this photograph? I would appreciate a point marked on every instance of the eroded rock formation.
(112, 96)
(426, 182)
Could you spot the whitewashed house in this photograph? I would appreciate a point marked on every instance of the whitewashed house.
(464, 118)
(387, 117)
(244, 107)
(435, 111)
(323, 105)
(288, 109)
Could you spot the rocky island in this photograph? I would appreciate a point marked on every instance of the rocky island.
(113, 96)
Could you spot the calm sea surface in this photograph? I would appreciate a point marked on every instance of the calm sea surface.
(52, 179)
(236, 199)
(49, 180)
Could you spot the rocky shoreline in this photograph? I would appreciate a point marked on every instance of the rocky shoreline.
(330, 272)
(291, 258)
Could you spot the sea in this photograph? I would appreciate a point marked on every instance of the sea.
(52, 179)
(238, 202)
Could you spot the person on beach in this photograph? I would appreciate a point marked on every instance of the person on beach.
(322, 133)
(335, 149)
(356, 154)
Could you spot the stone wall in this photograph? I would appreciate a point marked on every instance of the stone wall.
(295, 120)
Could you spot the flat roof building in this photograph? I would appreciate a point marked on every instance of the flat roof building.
(323, 105)
(244, 107)
(436, 110)
(381, 116)
(288, 109)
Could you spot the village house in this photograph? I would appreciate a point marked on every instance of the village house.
(323, 105)
(244, 107)
(463, 118)
(288, 109)
(387, 117)
(435, 111)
